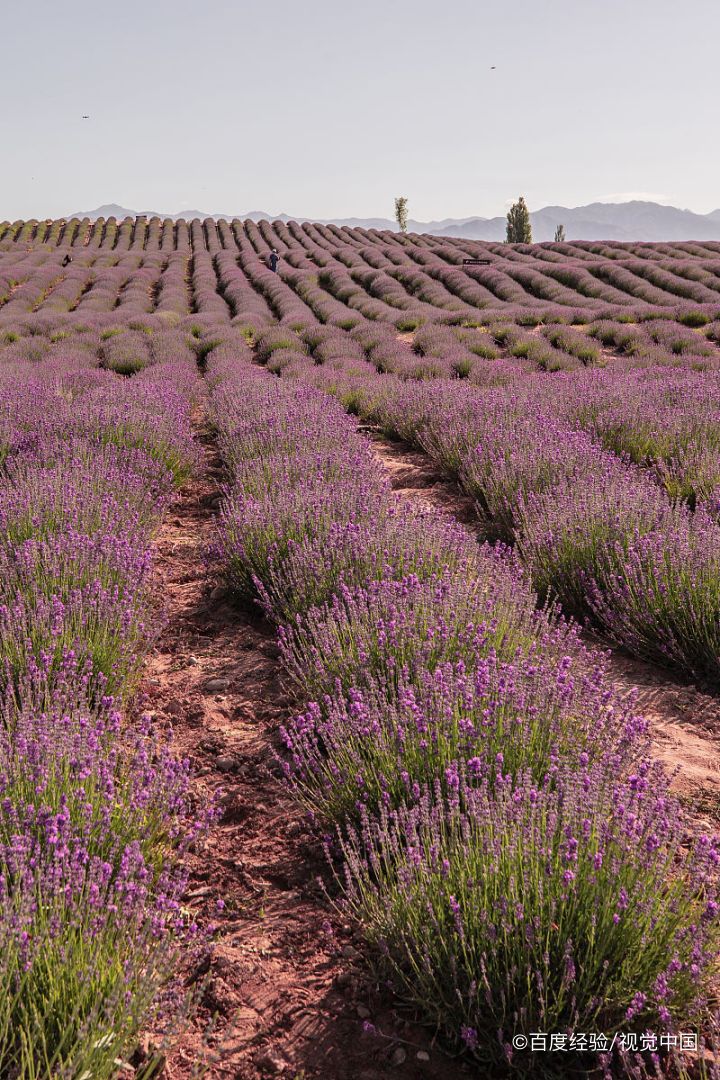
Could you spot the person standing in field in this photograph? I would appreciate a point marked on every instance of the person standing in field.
(273, 260)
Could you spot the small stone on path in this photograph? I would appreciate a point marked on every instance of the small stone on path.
(214, 686)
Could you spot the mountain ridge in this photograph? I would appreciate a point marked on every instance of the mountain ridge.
(637, 220)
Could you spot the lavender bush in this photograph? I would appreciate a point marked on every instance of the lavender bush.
(95, 814)
(380, 744)
(388, 628)
(566, 904)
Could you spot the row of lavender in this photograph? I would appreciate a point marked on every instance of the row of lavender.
(94, 808)
(594, 530)
(424, 278)
(656, 271)
(663, 417)
(502, 353)
(108, 234)
(38, 288)
(153, 233)
(677, 436)
(511, 855)
(333, 274)
(607, 481)
(127, 338)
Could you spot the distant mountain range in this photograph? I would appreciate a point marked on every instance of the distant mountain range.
(598, 221)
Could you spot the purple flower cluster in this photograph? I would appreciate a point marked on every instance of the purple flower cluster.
(518, 906)
(601, 481)
(505, 843)
(94, 810)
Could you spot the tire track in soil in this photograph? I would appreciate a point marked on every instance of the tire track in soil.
(283, 996)
(684, 721)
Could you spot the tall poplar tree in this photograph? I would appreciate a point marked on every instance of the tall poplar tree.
(401, 213)
(519, 230)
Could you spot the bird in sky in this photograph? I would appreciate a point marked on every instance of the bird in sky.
(492, 68)
(85, 116)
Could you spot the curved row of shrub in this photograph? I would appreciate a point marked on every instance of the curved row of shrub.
(511, 855)
(593, 530)
(94, 807)
(405, 281)
(668, 269)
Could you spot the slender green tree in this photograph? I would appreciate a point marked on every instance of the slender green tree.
(519, 230)
(560, 234)
(401, 213)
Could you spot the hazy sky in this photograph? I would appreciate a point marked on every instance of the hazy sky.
(330, 108)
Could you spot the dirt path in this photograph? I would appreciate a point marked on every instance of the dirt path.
(282, 988)
(685, 722)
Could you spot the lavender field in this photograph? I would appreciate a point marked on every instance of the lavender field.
(497, 831)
